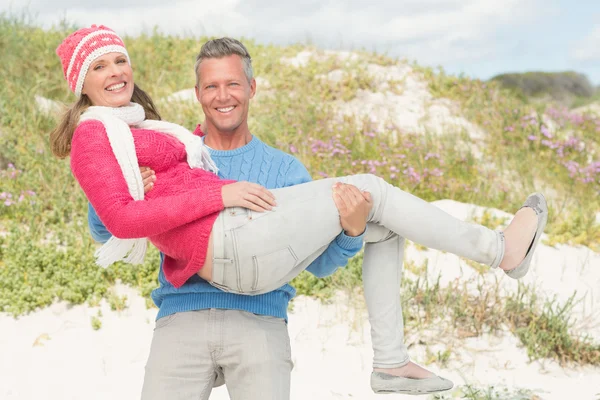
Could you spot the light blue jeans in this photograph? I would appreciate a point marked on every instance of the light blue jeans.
(276, 246)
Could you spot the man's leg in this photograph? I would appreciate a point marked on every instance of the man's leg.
(180, 365)
(256, 357)
(382, 275)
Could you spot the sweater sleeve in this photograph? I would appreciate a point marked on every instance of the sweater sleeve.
(96, 169)
(99, 232)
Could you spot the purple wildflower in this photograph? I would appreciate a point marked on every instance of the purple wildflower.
(545, 132)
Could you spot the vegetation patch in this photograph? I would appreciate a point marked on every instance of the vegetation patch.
(562, 87)
(543, 327)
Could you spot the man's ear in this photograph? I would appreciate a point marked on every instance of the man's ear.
(197, 93)
(252, 88)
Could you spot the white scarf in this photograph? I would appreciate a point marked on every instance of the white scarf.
(117, 122)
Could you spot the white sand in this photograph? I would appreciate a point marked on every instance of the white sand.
(401, 99)
(592, 108)
(55, 354)
(409, 107)
(302, 58)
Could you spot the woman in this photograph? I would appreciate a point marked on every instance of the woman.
(209, 226)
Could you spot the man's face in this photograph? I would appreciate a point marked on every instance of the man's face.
(224, 92)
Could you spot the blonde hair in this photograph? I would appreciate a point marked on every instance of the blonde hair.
(61, 136)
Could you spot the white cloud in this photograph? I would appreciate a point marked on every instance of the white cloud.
(431, 31)
(589, 48)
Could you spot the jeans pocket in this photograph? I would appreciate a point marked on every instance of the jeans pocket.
(268, 318)
(270, 268)
(164, 321)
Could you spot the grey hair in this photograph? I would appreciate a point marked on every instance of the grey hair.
(223, 47)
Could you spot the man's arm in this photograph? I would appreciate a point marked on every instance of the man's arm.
(97, 228)
(341, 249)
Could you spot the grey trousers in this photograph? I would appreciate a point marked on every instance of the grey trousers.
(276, 246)
(194, 351)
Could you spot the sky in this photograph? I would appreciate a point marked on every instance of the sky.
(477, 38)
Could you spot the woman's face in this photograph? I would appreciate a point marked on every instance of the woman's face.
(109, 81)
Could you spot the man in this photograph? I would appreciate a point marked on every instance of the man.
(203, 335)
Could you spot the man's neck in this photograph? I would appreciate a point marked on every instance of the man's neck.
(219, 141)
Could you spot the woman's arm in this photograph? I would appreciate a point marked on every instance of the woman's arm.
(99, 232)
(99, 175)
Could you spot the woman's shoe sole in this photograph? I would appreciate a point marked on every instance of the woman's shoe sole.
(537, 203)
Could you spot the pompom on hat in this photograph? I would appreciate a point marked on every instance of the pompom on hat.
(82, 47)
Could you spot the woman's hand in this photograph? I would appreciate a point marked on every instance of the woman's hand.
(148, 177)
(248, 195)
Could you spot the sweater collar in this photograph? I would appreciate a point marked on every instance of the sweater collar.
(234, 152)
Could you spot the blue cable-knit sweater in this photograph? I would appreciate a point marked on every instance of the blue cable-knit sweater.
(255, 162)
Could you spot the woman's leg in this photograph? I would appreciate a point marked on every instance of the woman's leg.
(259, 252)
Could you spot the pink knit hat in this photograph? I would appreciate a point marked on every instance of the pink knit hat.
(82, 47)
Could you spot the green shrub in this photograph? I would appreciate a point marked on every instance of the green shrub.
(557, 85)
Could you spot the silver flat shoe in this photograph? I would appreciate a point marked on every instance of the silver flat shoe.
(537, 203)
(386, 383)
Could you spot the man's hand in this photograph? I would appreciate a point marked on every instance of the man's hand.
(148, 177)
(354, 207)
(248, 195)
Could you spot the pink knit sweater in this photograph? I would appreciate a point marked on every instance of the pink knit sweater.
(177, 215)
